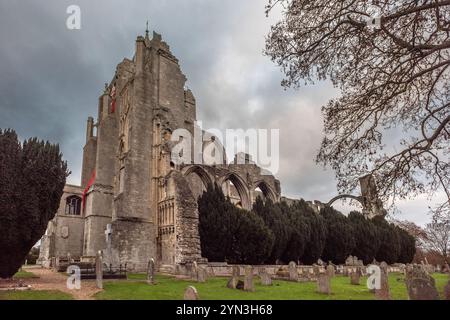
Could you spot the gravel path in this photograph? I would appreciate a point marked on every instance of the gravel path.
(51, 280)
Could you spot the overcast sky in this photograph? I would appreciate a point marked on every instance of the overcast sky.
(51, 77)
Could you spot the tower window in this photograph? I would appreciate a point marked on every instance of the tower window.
(73, 205)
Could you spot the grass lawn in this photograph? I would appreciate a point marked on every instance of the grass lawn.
(22, 274)
(34, 295)
(168, 288)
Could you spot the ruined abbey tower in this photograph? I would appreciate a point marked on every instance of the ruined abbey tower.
(138, 204)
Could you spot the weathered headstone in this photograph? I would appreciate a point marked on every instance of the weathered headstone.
(355, 277)
(190, 293)
(266, 279)
(233, 282)
(99, 270)
(383, 292)
(151, 271)
(201, 274)
(248, 281)
(323, 283)
(331, 271)
(293, 272)
(420, 285)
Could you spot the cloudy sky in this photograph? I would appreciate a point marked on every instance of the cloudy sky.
(51, 77)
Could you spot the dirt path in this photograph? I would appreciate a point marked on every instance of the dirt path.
(51, 280)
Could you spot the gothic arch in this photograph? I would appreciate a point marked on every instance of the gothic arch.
(267, 190)
(200, 171)
(241, 187)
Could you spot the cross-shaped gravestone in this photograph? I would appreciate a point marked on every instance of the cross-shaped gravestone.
(108, 233)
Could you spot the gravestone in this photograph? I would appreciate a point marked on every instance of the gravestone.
(355, 278)
(248, 281)
(420, 285)
(201, 274)
(233, 282)
(266, 279)
(331, 271)
(99, 270)
(190, 293)
(323, 284)
(151, 271)
(293, 272)
(383, 292)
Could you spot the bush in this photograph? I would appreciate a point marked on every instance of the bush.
(366, 235)
(390, 246)
(32, 178)
(340, 240)
(230, 234)
(277, 222)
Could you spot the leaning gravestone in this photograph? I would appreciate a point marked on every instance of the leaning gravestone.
(266, 279)
(190, 293)
(248, 281)
(293, 272)
(383, 292)
(323, 283)
(355, 277)
(233, 282)
(99, 270)
(420, 285)
(151, 271)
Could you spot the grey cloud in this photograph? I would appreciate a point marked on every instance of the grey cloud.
(51, 77)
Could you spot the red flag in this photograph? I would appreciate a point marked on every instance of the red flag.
(113, 99)
(88, 186)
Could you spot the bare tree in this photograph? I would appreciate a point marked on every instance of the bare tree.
(391, 61)
(437, 235)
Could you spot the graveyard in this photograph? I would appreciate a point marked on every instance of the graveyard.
(169, 287)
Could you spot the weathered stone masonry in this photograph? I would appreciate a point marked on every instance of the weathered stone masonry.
(149, 202)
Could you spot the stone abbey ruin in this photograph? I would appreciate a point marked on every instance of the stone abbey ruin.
(134, 203)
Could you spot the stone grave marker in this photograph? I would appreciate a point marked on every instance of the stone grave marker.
(266, 279)
(323, 283)
(355, 278)
(190, 293)
(233, 281)
(383, 292)
(151, 271)
(420, 285)
(201, 274)
(248, 281)
(99, 270)
(293, 272)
